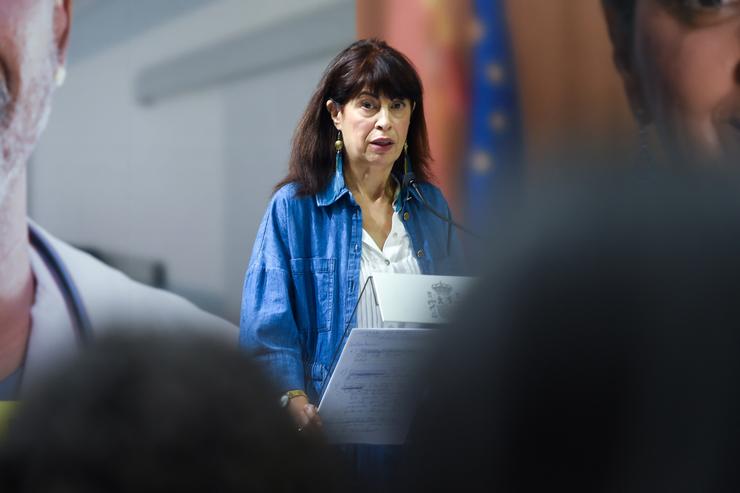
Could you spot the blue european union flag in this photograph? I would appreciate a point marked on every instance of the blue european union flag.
(496, 128)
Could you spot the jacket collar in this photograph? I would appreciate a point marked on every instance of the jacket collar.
(337, 188)
(334, 190)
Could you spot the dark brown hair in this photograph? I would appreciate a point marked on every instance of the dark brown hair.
(368, 64)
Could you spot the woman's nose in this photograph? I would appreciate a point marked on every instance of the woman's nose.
(384, 121)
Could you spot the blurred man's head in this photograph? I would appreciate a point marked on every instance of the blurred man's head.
(679, 64)
(33, 46)
(601, 352)
(156, 414)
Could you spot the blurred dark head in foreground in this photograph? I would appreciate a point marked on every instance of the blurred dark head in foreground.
(602, 350)
(152, 414)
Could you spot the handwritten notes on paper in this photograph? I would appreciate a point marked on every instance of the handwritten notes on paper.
(371, 394)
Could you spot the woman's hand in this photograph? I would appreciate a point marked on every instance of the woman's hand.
(305, 414)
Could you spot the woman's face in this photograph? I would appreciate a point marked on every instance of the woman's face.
(373, 127)
(683, 74)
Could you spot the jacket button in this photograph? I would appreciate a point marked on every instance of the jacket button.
(406, 216)
(420, 253)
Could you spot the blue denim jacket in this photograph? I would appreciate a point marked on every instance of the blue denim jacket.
(303, 278)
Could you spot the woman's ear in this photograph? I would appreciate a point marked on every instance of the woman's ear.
(621, 33)
(335, 110)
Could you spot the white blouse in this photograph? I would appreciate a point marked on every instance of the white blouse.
(397, 256)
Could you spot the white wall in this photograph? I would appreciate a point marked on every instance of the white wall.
(186, 180)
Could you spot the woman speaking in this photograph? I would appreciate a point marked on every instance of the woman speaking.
(357, 200)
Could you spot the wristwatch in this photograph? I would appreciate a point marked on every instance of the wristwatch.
(286, 397)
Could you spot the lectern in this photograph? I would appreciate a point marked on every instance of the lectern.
(375, 378)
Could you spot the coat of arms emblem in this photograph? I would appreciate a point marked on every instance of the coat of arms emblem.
(441, 300)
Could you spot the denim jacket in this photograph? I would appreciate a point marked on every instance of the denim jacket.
(303, 278)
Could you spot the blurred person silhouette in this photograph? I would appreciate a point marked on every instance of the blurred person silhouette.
(600, 352)
(680, 63)
(52, 295)
(154, 414)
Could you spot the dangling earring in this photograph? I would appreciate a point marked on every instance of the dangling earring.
(406, 163)
(408, 175)
(60, 75)
(339, 146)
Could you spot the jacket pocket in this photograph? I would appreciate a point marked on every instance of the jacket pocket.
(319, 373)
(316, 377)
(313, 279)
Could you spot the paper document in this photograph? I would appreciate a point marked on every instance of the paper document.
(372, 392)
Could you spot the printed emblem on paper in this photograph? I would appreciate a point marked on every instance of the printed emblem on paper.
(441, 300)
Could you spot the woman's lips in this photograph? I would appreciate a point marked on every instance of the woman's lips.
(381, 145)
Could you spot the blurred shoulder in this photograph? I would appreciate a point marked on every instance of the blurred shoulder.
(116, 302)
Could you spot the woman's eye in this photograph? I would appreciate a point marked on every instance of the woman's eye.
(368, 105)
(398, 105)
